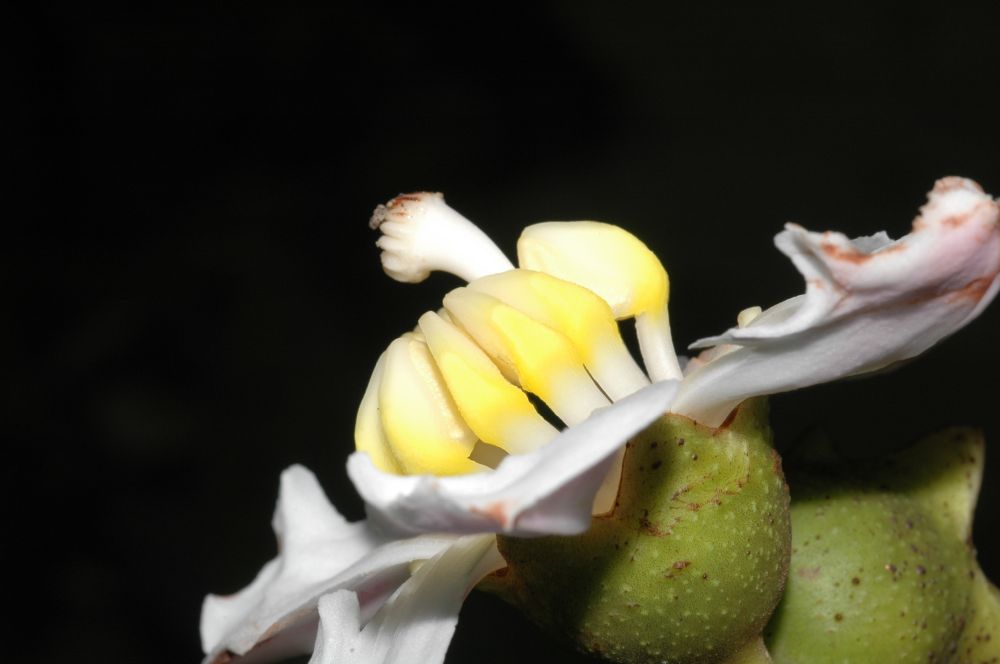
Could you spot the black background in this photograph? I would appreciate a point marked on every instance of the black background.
(196, 301)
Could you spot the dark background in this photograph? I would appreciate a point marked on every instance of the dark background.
(196, 302)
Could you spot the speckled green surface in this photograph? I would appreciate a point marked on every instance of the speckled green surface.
(980, 640)
(883, 569)
(688, 567)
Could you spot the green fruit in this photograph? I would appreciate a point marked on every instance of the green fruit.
(689, 565)
(883, 568)
(980, 640)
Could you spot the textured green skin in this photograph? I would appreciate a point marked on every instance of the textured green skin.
(882, 564)
(980, 640)
(689, 565)
(873, 580)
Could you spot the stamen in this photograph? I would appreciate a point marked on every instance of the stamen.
(422, 425)
(369, 436)
(748, 316)
(528, 353)
(580, 314)
(656, 344)
(744, 318)
(421, 233)
(617, 266)
(497, 412)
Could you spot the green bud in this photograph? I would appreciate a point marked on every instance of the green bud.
(883, 568)
(689, 565)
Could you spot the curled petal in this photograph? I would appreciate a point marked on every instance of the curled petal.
(319, 551)
(869, 303)
(417, 623)
(548, 491)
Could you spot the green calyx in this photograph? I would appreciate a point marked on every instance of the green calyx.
(883, 568)
(688, 566)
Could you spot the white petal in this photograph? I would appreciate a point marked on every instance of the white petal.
(417, 623)
(319, 552)
(547, 491)
(868, 303)
(338, 639)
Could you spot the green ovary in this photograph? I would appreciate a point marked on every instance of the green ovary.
(689, 565)
(882, 564)
(872, 580)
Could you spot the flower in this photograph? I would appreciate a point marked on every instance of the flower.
(451, 450)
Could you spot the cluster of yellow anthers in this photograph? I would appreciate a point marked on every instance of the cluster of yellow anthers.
(451, 396)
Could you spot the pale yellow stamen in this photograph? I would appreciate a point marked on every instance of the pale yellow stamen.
(578, 313)
(496, 411)
(743, 319)
(528, 353)
(369, 436)
(617, 266)
(748, 316)
(422, 425)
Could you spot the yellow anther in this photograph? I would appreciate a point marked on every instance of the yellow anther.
(617, 266)
(368, 433)
(748, 316)
(580, 314)
(528, 353)
(497, 412)
(422, 425)
(601, 257)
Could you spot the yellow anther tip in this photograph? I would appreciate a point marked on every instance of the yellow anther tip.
(601, 257)
(583, 316)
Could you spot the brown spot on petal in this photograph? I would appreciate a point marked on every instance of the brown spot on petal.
(836, 253)
(958, 220)
(852, 255)
(975, 290)
(496, 512)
